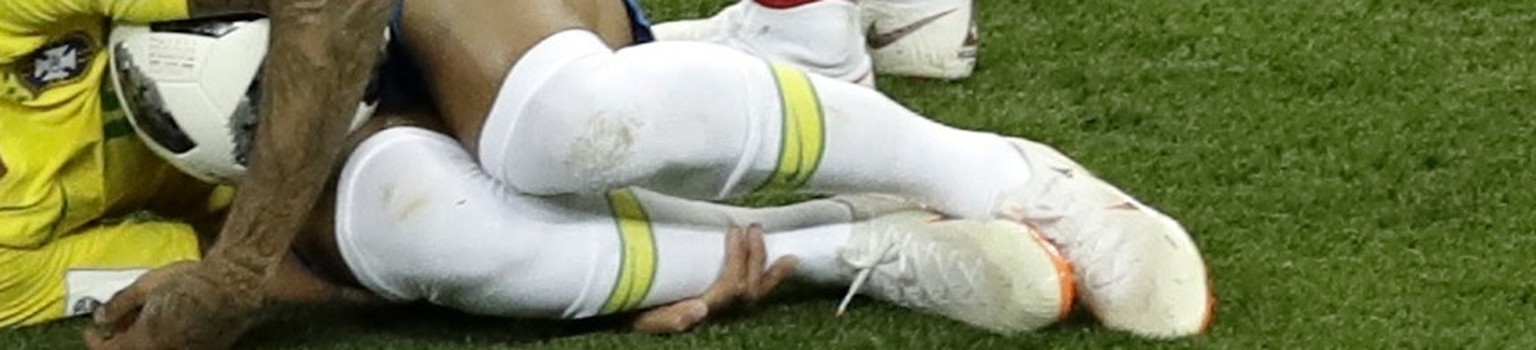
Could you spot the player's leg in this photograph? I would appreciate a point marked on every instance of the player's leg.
(464, 48)
(418, 220)
(719, 115)
(702, 121)
(722, 122)
(698, 120)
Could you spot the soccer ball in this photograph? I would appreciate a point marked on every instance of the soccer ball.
(191, 89)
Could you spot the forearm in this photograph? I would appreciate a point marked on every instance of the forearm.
(321, 55)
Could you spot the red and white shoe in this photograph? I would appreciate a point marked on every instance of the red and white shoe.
(818, 36)
(921, 38)
(1138, 270)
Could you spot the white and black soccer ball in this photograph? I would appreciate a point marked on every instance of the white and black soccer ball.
(191, 89)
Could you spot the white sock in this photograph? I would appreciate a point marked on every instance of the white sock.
(873, 144)
(694, 231)
(417, 219)
(818, 252)
(702, 121)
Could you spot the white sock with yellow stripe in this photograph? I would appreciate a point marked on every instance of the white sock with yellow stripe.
(673, 247)
(836, 137)
(702, 121)
(417, 220)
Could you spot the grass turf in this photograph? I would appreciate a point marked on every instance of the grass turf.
(1356, 171)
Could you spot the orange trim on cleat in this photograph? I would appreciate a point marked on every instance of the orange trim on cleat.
(1064, 274)
(1210, 304)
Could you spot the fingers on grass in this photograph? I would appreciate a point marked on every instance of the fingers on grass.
(757, 257)
(728, 285)
(777, 274)
(674, 318)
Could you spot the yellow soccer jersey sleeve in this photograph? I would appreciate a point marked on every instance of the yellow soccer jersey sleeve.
(71, 155)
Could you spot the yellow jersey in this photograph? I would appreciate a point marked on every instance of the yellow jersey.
(77, 181)
(70, 151)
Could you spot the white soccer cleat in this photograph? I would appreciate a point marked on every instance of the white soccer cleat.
(1138, 270)
(821, 37)
(993, 274)
(921, 38)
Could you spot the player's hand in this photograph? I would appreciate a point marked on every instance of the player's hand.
(187, 305)
(742, 280)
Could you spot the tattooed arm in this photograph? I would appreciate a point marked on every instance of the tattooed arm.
(321, 54)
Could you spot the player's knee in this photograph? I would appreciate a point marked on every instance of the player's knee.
(572, 131)
(590, 119)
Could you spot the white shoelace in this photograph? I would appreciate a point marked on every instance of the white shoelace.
(858, 283)
(902, 266)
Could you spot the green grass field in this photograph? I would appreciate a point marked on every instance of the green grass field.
(1357, 172)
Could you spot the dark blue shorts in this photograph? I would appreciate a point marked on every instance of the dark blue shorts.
(639, 23)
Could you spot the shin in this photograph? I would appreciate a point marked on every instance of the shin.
(418, 220)
(702, 121)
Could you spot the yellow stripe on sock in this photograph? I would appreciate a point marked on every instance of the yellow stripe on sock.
(804, 139)
(637, 262)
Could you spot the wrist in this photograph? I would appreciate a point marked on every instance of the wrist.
(243, 280)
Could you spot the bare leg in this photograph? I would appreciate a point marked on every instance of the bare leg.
(466, 47)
